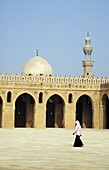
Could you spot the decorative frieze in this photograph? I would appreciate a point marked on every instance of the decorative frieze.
(21, 81)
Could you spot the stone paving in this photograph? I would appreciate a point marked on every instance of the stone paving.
(51, 149)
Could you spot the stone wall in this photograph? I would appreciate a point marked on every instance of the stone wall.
(94, 88)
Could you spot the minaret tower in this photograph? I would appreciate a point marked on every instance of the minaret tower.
(88, 63)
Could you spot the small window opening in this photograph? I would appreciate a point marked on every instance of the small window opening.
(70, 98)
(40, 97)
(9, 97)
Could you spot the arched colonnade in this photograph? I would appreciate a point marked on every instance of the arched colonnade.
(55, 115)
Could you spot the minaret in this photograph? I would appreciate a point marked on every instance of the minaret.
(88, 63)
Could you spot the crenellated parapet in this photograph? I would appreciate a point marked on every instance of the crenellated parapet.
(51, 81)
(105, 86)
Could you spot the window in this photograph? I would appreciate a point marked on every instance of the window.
(70, 98)
(9, 97)
(40, 97)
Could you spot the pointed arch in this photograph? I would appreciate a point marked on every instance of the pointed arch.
(55, 111)
(24, 111)
(84, 111)
(105, 103)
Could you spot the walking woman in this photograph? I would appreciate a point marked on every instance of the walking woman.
(78, 142)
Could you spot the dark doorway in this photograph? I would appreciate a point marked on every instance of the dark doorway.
(55, 112)
(50, 114)
(84, 111)
(24, 111)
(107, 105)
(20, 112)
(105, 112)
(79, 108)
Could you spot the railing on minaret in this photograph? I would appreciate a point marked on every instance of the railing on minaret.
(88, 63)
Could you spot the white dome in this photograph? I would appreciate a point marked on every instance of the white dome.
(37, 65)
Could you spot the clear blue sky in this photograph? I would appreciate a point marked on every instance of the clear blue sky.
(57, 28)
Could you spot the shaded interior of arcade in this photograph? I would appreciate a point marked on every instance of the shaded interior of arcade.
(24, 111)
(105, 104)
(55, 112)
(84, 111)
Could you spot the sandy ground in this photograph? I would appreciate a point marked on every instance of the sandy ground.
(51, 149)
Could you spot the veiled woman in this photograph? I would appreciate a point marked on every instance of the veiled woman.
(78, 142)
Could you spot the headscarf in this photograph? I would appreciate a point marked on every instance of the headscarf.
(78, 123)
(78, 127)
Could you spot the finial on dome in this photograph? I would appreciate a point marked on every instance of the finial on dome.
(37, 51)
(87, 33)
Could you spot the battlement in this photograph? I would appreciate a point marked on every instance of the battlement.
(53, 79)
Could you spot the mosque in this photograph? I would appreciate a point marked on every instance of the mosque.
(37, 99)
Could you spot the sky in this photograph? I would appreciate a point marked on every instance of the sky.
(58, 29)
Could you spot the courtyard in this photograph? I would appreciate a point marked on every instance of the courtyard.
(51, 149)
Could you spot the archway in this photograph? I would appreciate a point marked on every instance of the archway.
(84, 111)
(24, 111)
(55, 112)
(1, 104)
(105, 102)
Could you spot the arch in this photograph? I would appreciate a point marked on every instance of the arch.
(84, 111)
(105, 103)
(55, 111)
(9, 97)
(1, 105)
(24, 110)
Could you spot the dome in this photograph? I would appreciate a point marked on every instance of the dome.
(37, 65)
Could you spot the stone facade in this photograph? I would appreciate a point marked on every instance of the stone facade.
(43, 101)
(53, 101)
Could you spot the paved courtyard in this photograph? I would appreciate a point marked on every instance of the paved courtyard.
(51, 149)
